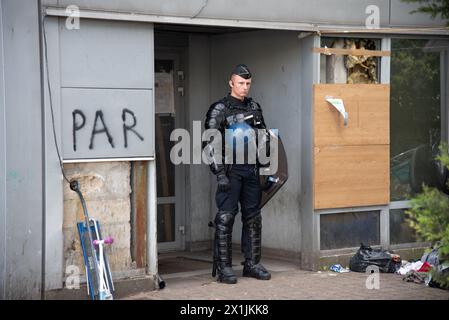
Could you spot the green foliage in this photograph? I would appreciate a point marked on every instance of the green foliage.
(429, 216)
(443, 157)
(433, 7)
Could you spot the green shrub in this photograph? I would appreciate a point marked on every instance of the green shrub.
(429, 216)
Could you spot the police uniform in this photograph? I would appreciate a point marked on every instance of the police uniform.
(237, 183)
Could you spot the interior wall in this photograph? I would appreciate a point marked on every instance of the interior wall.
(200, 190)
(274, 59)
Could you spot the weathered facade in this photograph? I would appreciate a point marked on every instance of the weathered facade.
(80, 81)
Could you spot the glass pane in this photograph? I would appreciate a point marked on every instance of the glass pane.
(415, 116)
(165, 222)
(165, 169)
(164, 97)
(349, 229)
(165, 124)
(400, 231)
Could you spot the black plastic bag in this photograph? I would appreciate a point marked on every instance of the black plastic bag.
(367, 256)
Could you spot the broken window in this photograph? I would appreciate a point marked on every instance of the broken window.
(342, 68)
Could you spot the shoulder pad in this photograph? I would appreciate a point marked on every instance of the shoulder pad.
(254, 105)
(219, 105)
(225, 101)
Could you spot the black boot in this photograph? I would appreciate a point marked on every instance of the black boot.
(223, 248)
(252, 267)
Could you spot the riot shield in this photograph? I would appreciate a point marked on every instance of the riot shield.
(271, 184)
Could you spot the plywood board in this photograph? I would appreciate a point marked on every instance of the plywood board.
(367, 106)
(352, 163)
(350, 176)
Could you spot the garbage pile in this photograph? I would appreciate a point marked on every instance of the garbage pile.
(424, 270)
(419, 271)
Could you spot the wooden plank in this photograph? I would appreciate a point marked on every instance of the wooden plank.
(351, 164)
(368, 114)
(168, 234)
(140, 187)
(352, 52)
(350, 176)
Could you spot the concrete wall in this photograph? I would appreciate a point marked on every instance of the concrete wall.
(104, 61)
(310, 67)
(53, 188)
(2, 164)
(323, 12)
(21, 150)
(274, 59)
(198, 96)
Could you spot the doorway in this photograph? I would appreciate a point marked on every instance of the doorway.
(169, 101)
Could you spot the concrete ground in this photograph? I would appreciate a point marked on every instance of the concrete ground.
(188, 276)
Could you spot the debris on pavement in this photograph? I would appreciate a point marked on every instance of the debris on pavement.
(338, 268)
(415, 276)
(417, 266)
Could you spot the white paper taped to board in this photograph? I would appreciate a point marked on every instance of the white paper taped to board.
(339, 105)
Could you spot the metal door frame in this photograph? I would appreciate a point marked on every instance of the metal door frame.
(180, 171)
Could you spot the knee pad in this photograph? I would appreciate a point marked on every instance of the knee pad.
(255, 221)
(224, 220)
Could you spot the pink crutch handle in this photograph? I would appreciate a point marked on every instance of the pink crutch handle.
(107, 240)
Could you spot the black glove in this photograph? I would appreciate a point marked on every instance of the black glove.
(223, 183)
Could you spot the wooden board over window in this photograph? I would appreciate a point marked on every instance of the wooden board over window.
(351, 164)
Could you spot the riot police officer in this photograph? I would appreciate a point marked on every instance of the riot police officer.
(237, 182)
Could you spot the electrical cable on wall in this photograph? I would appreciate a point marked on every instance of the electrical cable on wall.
(51, 101)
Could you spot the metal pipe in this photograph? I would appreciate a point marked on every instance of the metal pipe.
(151, 257)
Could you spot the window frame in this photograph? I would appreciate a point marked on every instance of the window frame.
(385, 70)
